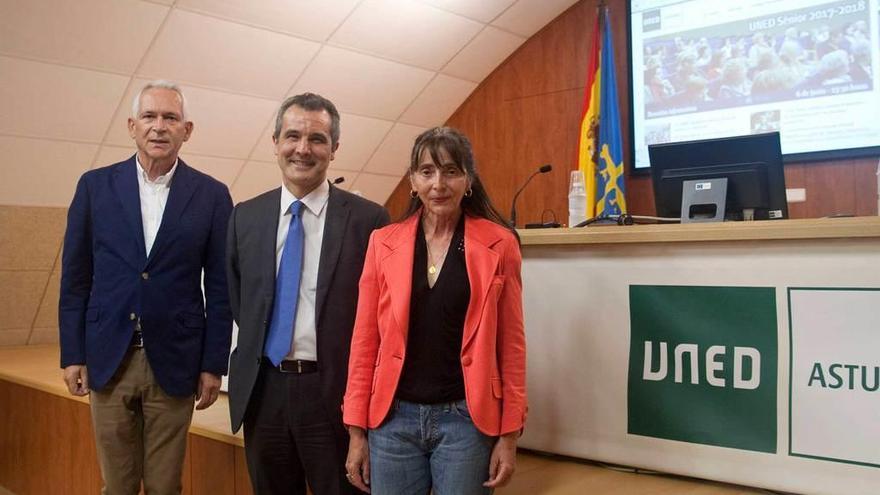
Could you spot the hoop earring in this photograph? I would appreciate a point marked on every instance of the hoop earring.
(413, 194)
(469, 193)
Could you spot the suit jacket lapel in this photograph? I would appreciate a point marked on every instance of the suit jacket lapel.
(125, 184)
(182, 188)
(397, 266)
(267, 229)
(482, 265)
(335, 224)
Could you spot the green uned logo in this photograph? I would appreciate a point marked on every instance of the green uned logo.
(702, 365)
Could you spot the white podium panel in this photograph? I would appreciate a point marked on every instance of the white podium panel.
(578, 316)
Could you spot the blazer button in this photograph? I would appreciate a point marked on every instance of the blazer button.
(132, 317)
(466, 360)
(145, 276)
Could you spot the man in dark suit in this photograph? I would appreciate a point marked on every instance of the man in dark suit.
(294, 258)
(136, 329)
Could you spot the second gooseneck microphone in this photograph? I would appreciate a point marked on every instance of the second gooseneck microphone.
(542, 170)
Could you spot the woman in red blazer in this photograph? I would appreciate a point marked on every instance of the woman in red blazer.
(437, 367)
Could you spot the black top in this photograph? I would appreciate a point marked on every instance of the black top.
(432, 368)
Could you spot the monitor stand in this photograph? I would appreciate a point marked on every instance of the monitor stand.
(703, 200)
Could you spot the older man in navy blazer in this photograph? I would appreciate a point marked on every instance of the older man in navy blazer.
(137, 331)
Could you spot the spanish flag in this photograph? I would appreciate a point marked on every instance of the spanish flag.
(590, 123)
(601, 159)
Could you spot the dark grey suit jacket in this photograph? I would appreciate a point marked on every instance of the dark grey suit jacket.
(250, 266)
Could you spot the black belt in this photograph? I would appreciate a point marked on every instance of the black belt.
(137, 339)
(295, 366)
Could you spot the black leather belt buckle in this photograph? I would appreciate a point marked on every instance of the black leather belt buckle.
(297, 366)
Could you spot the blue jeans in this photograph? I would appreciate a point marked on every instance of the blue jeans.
(424, 447)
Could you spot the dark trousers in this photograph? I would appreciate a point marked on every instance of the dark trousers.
(290, 437)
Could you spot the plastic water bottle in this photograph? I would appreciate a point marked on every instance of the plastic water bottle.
(577, 199)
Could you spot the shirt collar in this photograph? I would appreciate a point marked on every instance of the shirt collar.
(161, 180)
(314, 201)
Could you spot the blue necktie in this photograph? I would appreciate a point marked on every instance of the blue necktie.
(286, 290)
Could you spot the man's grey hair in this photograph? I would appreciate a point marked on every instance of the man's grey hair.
(162, 84)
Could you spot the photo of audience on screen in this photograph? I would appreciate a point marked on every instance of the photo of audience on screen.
(720, 69)
(766, 121)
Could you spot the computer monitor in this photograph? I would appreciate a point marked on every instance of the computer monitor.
(751, 164)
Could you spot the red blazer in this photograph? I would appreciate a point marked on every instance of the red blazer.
(493, 350)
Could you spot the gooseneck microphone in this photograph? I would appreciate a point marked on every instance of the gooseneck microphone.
(542, 170)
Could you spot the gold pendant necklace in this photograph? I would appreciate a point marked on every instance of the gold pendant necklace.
(432, 268)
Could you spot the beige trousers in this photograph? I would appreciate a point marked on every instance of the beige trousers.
(140, 431)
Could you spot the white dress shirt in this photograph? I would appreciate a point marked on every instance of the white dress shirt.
(154, 196)
(303, 345)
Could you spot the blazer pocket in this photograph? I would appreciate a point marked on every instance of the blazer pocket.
(493, 294)
(497, 388)
(93, 314)
(190, 320)
(496, 287)
(376, 371)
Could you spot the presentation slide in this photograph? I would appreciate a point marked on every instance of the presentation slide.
(707, 68)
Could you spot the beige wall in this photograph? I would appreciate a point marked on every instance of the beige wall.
(30, 273)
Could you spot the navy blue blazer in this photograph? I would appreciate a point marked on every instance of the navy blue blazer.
(108, 282)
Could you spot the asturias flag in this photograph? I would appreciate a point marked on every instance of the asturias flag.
(603, 171)
(610, 188)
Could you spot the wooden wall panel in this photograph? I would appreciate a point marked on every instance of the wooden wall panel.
(796, 178)
(866, 194)
(546, 62)
(524, 157)
(399, 199)
(46, 443)
(47, 446)
(527, 113)
(186, 479)
(639, 195)
(212, 469)
(834, 182)
(242, 478)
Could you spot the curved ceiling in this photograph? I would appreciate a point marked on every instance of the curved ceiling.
(393, 67)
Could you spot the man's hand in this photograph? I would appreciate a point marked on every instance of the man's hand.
(77, 379)
(502, 464)
(209, 390)
(357, 465)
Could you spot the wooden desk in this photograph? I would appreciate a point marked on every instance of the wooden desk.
(804, 229)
